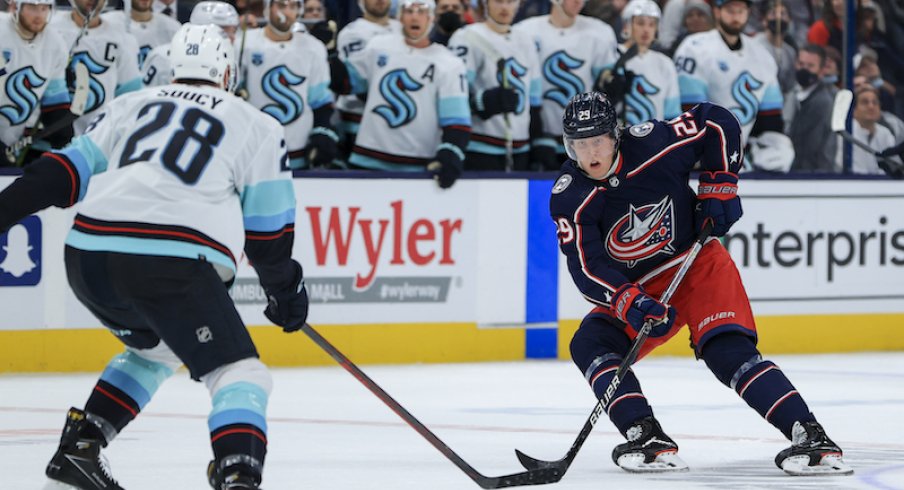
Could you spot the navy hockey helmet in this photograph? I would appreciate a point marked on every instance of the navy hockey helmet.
(587, 115)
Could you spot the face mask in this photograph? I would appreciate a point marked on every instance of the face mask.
(830, 79)
(781, 28)
(449, 21)
(805, 78)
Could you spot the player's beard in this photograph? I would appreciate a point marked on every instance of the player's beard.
(139, 7)
(731, 30)
(378, 13)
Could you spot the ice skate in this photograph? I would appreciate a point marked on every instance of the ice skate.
(811, 453)
(239, 472)
(648, 450)
(77, 462)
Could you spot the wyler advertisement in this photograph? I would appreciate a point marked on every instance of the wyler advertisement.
(379, 251)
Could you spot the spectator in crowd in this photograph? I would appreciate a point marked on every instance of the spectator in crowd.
(867, 66)
(150, 29)
(105, 48)
(35, 86)
(505, 83)
(697, 16)
(831, 72)
(573, 51)
(827, 30)
(353, 38)
(800, 18)
(672, 19)
(417, 116)
(866, 128)
(647, 87)
(449, 18)
(890, 60)
(887, 119)
(809, 110)
(776, 22)
(314, 11)
(608, 11)
(287, 76)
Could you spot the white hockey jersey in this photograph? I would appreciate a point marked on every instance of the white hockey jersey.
(111, 56)
(654, 91)
(352, 38)
(157, 69)
(411, 95)
(571, 60)
(34, 79)
(745, 81)
(209, 173)
(159, 30)
(481, 48)
(287, 80)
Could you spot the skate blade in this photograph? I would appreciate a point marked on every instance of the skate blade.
(665, 462)
(57, 485)
(830, 464)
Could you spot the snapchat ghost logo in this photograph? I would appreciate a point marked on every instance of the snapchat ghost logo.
(20, 253)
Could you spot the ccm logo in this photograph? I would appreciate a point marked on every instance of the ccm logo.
(715, 316)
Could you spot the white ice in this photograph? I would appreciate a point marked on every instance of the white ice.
(328, 432)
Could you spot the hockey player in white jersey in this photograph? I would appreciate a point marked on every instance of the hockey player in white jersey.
(149, 29)
(645, 85)
(505, 90)
(417, 114)
(32, 77)
(287, 76)
(375, 20)
(573, 51)
(727, 67)
(175, 183)
(157, 69)
(105, 48)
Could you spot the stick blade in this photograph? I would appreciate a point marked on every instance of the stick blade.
(543, 476)
(82, 90)
(530, 463)
(841, 108)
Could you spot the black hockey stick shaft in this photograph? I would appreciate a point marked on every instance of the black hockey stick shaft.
(534, 477)
(561, 466)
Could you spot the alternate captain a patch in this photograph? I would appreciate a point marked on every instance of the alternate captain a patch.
(642, 233)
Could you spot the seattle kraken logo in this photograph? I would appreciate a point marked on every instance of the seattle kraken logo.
(743, 92)
(399, 109)
(639, 106)
(20, 91)
(96, 92)
(557, 70)
(514, 71)
(288, 104)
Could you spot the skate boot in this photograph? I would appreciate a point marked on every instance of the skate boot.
(811, 453)
(648, 450)
(237, 472)
(77, 462)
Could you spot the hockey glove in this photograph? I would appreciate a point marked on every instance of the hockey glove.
(322, 149)
(325, 31)
(633, 306)
(447, 167)
(288, 307)
(615, 85)
(718, 201)
(496, 101)
(543, 154)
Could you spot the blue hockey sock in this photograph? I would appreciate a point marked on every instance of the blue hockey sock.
(628, 404)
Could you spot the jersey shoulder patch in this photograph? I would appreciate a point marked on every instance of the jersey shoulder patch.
(562, 184)
(642, 129)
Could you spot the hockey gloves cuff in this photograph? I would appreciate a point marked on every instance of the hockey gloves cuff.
(288, 307)
(633, 306)
(496, 101)
(447, 167)
(718, 201)
(322, 149)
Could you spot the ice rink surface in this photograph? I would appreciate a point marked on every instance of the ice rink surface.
(328, 432)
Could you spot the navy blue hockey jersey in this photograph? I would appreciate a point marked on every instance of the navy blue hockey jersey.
(640, 221)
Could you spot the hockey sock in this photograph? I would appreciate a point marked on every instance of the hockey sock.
(735, 360)
(629, 404)
(237, 421)
(123, 390)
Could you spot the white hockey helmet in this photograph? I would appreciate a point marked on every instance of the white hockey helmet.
(214, 12)
(430, 5)
(268, 2)
(19, 4)
(203, 53)
(641, 8)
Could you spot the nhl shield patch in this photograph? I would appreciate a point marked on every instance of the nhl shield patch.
(641, 130)
(562, 184)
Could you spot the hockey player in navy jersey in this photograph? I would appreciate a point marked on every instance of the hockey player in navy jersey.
(163, 216)
(626, 217)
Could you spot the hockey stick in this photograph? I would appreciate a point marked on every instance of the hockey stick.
(840, 109)
(482, 44)
(607, 76)
(16, 152)
(561, 466)
(533, 477)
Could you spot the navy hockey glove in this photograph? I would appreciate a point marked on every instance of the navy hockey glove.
(322, 149)
(288, 307)
(718, 201)
(447, 167)
(496, 101)
(635, 307)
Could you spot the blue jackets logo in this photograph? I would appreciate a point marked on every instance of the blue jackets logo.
(643, 233)
(20, 254)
